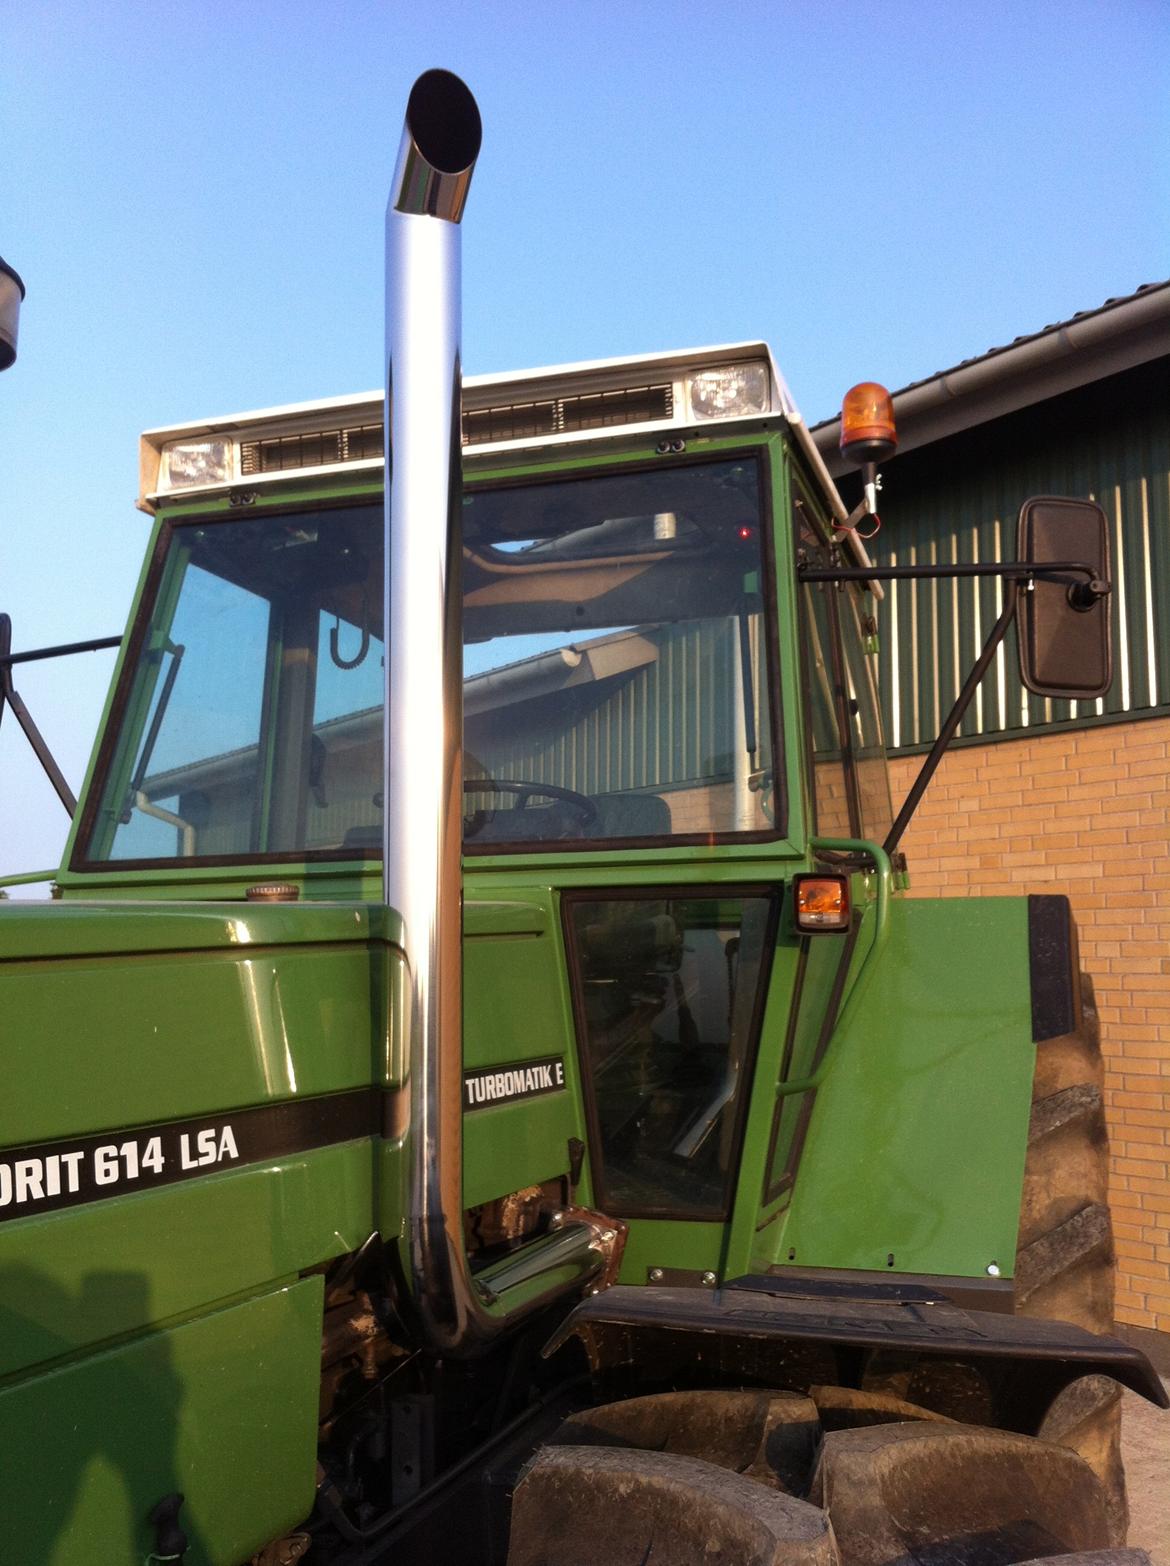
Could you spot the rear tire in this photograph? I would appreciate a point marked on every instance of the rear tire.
(1064, 1256)
(837, 1478)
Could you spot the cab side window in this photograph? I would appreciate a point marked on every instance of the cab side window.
(849, 781)
(832, 784)
(856, 614)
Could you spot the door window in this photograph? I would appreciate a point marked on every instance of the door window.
(668, 992)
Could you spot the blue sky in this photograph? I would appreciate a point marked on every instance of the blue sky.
(194, 196)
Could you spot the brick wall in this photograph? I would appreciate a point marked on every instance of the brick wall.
(711, 808)
(1087, 813)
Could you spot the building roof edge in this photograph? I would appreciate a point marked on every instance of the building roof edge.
(1118, 335)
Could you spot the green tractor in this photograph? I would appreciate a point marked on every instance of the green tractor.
(477, 1093)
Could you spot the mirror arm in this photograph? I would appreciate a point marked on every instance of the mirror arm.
(98, 644)
(1010, 571)
(9, 695)
(954, 718)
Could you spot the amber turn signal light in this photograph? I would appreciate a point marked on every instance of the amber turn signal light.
(820, 902)
(867, 424)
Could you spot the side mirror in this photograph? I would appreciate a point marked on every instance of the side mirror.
(11, 293)
(1064, 631)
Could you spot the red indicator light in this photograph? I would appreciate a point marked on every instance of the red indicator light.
(744, 532)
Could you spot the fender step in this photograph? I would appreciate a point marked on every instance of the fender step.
(859, 1316)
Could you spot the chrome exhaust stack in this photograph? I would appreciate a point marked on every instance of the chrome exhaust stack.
(423, 764)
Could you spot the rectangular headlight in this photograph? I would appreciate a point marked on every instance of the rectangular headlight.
(731, 392)
(186, 463)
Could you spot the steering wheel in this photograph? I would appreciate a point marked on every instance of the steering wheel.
(585, 808)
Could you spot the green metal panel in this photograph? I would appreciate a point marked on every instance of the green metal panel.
(190, 1246)
(960, 500)
(45, 930)
(170, 1014)
(141, 1037)
(516, 1008)
(222, 1409)
(657, 1242)
(347, 881)
(916, 1143)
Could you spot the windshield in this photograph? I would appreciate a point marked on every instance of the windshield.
(616, 662)
(251, 724)
(616, 682)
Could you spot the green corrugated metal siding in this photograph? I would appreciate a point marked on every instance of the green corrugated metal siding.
(959, 500)
(666, 724)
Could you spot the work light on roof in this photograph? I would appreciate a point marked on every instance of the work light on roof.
(729, 392)
(187, 463)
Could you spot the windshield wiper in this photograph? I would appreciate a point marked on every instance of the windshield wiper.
(176, 651)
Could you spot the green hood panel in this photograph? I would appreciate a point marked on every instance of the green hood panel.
(36, 930)
(100, 1272)
(223, 1409)
(117, 1016)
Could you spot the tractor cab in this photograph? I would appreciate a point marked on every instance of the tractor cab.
(629, 621)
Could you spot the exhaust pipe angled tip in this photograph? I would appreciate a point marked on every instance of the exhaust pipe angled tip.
(440, 143)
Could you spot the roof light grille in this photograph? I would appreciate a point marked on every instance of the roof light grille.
(629, 405)
(509, 421)
(311, 449)
(481, 426)
(555, 415)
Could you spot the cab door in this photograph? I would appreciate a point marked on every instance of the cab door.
(669, 997)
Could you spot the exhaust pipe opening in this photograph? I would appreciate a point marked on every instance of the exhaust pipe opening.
(440, 143)
(443, 120)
